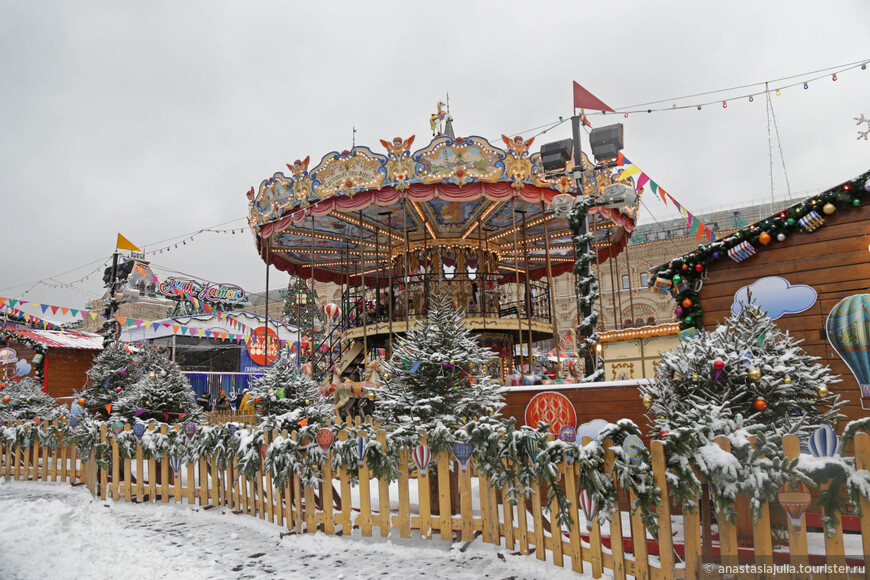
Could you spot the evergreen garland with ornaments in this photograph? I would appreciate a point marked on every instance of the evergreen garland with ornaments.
(24, 399)
(586, 288)
(288, 395)
(435, 378)
(683, 275)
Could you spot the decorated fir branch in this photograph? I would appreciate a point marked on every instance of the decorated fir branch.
(682, 276)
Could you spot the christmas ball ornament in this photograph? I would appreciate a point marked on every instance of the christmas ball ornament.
(699, 267)
(856, 202)
(685, 266)
(271, 391)
(696, 377)
(823, 391)
(754, 374)
(687, 303)
(647, 401)
(81, 402)
(663, 433)
(764, 238)
(147, 403)
(5, 399)
(677, 279)
(829, 208)
(787, 380)
(371, 396)
(118, 390)
(780, 236)
(152, 375)
(678, 310)
(688, 320)
(790, 221)
(760, 404)
(718, 364)
(715, 255)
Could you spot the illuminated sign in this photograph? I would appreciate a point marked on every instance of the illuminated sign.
(205, 291)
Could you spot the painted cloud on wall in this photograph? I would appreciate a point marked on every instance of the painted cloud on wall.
(776, 297)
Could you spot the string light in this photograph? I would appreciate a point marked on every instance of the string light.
(833, 78)
(806, 86)
(778, 92)
(724, 104)
(751, 98)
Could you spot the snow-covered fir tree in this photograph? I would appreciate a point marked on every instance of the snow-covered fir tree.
(302, 310)
(285, 391)
(436, 374)
(112, 371)
(749, 368)
(24, 399)
(162, 392)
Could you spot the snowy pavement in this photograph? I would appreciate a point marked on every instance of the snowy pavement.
(60, 532)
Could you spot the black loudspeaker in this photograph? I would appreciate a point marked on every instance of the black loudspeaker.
(555, 156)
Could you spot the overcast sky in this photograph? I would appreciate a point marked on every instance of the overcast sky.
(154, 118)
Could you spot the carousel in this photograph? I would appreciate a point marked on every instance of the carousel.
(460, 216)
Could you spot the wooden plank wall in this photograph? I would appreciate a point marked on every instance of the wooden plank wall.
(834, 260)
(608, 403)
(66, 371)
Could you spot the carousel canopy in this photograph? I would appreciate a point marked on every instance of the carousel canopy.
(462, 196)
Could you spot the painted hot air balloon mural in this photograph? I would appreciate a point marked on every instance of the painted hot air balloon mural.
(848, 329)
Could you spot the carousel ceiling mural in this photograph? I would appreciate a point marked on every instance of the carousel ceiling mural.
(362, 210)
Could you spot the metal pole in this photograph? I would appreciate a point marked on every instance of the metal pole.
(600, 294)
(552, 291)
(481, 273)
(581, 230)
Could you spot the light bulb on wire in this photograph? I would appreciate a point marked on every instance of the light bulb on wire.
(833, 78)
(806, 86)
(778, 92)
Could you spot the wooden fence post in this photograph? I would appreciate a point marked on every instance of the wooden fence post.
(862, 461)
(383, 493)
(616, 546)
(666, 546)
(365, 498)
(797, 537)
(727, 530)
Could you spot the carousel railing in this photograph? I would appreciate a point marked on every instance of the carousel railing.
(479, 296)
(329, 351)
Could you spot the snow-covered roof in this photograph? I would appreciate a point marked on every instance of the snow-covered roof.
(67, 339)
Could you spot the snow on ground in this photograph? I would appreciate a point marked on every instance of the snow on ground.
(61, 532)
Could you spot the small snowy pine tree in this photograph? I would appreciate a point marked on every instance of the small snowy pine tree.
(23, 400)
(435, 376)
(749, 367)
(163, 394)
(114, 368)
(286, 391)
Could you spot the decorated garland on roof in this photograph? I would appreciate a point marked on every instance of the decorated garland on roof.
(37, 347)
(683, 276)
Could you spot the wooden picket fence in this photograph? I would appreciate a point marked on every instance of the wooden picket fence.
(524, 528)
(222, 417)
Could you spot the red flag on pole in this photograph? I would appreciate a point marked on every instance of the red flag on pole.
(583, 99)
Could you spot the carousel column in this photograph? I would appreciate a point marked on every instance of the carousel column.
(551, 291)
(362, 280)
(311, 331)
(407, 280)
(630, 297)
(267, 246)
(528, 288)
(390, 292)
(517, 283)
(481, 274)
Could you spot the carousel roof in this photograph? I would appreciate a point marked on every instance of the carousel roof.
(458, 193)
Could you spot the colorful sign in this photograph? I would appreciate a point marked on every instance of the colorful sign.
(553, 408)
(205, 291)
(257, 346)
